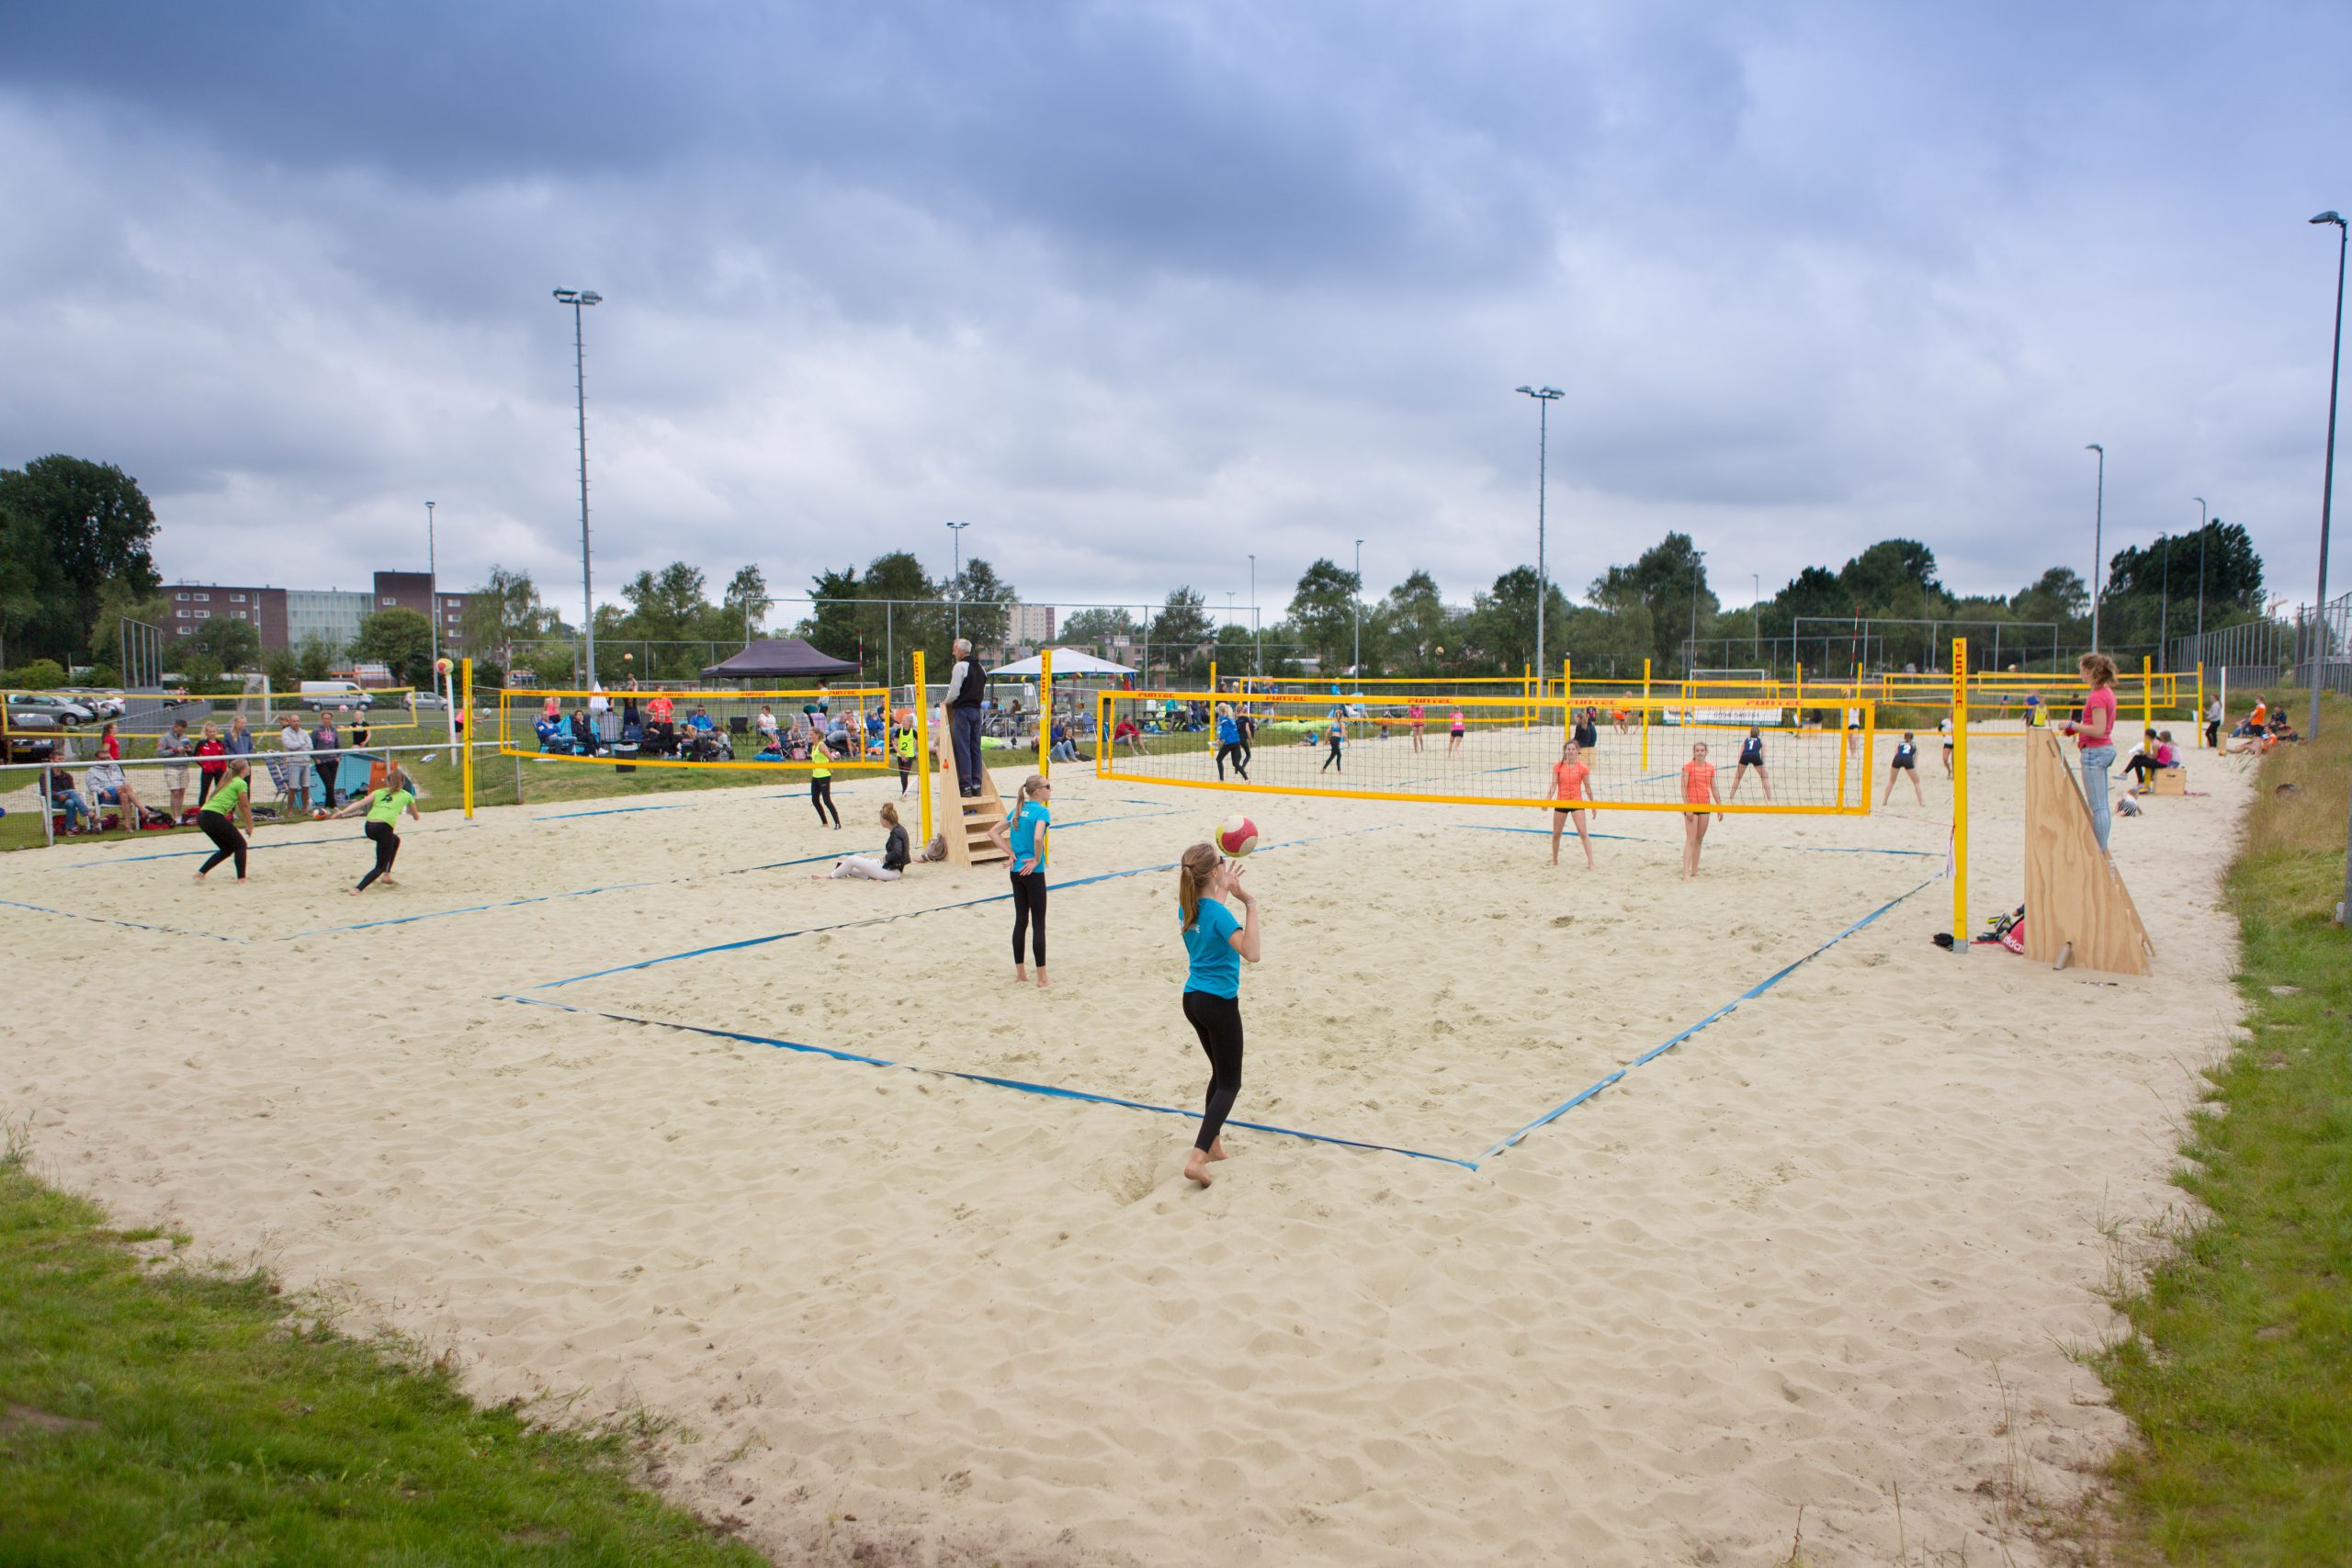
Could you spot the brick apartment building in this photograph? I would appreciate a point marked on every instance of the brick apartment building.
(287, 618)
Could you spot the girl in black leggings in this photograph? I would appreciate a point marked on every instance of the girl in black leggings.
(383, 807)
(1216, 943)
(821, 784)
(1021, 838)
(233, 793)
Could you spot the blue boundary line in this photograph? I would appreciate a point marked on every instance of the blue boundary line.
(133, 925)
(1732, 1006)
(1635, 839)
(606, 811)
(1050, 1091)
(743, 942)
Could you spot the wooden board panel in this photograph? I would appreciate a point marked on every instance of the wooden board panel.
(2171, 781)
(2074, 899)
(964, 820)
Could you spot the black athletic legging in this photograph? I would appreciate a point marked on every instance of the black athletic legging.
(1240, 760)
(1029, 912)
(226, 842)
(820, 794)
(1217, 1021)
(2141, 766)
(1334, 757)
(388, 846)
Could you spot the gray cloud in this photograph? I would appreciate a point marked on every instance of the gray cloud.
(1139, 291)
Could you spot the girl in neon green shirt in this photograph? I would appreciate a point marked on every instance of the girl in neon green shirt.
(234, 794)
(383, 807)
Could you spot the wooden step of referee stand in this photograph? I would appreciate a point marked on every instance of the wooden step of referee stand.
(964, 820)
(2077, 910)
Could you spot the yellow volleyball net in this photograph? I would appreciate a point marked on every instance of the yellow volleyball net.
(844, 728)
(1495, 749)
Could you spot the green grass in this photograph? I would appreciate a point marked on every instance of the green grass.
(2240, 1375)
(151, 1414)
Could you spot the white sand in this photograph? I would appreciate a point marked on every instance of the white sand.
(1835, 1244)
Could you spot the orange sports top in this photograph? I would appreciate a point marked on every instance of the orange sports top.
(1567, 780)
(1699, 783)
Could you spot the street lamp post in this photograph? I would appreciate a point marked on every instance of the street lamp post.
(578, 299)
(1756, 618)
(2327, 490)
(2164, 601)
(432, 590)
(1355, 598)
(1257, 638)
(2200, 576)
(956, 583)
(1544, 396)
(2098, 529)
(1691, 649)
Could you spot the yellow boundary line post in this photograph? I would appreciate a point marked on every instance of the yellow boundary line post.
(1646, 718)
(922, 742)
(466, 766)
(1959, 927)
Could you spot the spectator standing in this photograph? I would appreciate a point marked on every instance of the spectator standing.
(176, 742)
(324, 744)
(211, 764)
(295, 741)
(967, 690)
(2093, 735)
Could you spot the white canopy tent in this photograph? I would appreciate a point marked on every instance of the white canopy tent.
(1067, 662)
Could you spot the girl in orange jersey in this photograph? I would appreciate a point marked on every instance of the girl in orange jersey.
(1698, 789)
(1568, 777)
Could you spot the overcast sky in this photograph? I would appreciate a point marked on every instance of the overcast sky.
(1137, 289)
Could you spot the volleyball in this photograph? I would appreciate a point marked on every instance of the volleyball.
(442, 665)
(1237, 836)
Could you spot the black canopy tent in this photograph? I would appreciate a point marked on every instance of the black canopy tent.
(785, 658)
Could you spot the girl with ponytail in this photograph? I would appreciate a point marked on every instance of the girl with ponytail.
(1216, 943)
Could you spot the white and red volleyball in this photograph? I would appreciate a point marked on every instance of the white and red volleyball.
(1237, 836)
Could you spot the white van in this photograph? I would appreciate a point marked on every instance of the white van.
(320, 696)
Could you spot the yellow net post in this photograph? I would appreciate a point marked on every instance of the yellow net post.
(1646, 716)
(1567, 681)
(1959, 927)
(1800, 695)
(1045, 717)
(2147, 694)
(2198, 723)
(466, 763)
(922, 741)
(1845, 754)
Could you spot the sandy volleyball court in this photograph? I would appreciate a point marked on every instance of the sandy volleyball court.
(1832, 1246)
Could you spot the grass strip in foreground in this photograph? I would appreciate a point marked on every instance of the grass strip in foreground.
(2240, 1375)
(149, 1414)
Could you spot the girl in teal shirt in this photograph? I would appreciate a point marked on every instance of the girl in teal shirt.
(1020, 836)
(1216, 943)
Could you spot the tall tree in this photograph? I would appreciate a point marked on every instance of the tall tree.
(1501, 625)
(120, 601)
(1323, 607)
(662, 605)
(236, 644)
(1665, 582)
(67, 527)
(501, 610)
(1178, 628)
(746, 595)
(399, 639)
(1094, 628)
(911, 618)
(832, 623)
(1416, 618)
(982, 597)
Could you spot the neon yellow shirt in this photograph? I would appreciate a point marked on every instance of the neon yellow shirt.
(385, 804)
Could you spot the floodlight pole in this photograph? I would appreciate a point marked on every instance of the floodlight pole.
(2201, 526)
(433, 589)
(578, 299)
(954, 584)
(1257, 638)
(1355, 597)
(2327, 490)
(2098, 528)
(1544, 396)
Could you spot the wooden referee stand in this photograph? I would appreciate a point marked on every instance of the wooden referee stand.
(2077, 910)
(964, 821)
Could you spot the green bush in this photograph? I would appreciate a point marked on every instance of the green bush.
(41, 675)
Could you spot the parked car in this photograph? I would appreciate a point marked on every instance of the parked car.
(320, 696)
(104, 705)
(30, 735)
(69, 714)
